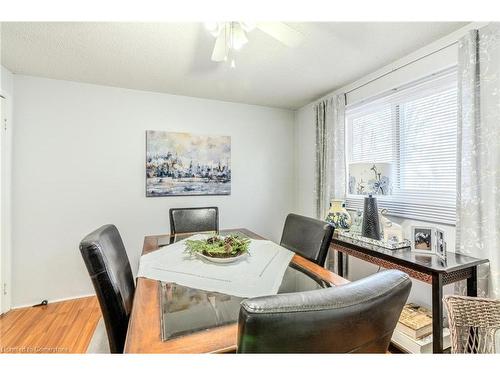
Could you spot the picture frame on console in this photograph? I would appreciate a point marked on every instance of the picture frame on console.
(440, 244)
(422, 239)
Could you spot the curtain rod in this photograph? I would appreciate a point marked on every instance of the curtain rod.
(402, 66)
(391, 71)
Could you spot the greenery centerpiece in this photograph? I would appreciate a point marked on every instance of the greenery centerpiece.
(230, 246)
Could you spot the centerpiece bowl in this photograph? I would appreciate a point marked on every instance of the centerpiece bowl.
(218, 249)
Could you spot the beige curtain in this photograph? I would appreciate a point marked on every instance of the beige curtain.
(330, 155)
(478, 171)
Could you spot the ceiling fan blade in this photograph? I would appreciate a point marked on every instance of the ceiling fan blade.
(219, 52)
(281, 32)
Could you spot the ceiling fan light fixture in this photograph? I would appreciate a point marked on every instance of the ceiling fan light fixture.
(238, 37)
(232, 36)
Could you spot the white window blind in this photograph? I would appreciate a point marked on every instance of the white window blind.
(414, 131)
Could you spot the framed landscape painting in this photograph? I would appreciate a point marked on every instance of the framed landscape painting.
(187, 164)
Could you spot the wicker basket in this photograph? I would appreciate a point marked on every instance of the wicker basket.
(474, 322)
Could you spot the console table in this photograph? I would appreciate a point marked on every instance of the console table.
(427, 268)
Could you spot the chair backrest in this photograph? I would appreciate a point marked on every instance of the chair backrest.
(109, 269)
(307, 237)
(194, 219)
(474, 324)
(358, 317)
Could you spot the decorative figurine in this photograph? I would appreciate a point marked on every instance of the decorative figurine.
(357, 222)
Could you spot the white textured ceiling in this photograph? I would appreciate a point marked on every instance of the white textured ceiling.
(175, 57)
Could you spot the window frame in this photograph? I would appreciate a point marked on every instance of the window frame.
(430, 211)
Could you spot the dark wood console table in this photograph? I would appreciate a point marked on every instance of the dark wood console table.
(427, 268)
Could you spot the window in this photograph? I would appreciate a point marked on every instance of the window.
(401, 147)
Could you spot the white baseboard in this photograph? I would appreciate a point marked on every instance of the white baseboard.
(53, 301)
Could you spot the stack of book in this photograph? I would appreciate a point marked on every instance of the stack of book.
(413, 332)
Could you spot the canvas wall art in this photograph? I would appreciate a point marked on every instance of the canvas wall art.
(187, 164)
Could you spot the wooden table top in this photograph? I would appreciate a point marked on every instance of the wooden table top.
(144, 330)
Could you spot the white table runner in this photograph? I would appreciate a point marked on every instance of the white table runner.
(258, 274)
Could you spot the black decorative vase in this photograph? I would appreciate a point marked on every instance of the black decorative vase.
(371, 225)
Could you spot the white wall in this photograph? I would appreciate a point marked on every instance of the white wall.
(305, 144)
(7, 91)
(79, 154)
(305, 153)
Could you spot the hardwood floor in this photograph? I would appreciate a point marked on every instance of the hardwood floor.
(60, 327)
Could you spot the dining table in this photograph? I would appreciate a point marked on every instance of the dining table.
(172, 318)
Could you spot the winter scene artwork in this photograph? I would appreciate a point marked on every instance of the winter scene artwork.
(187, 164)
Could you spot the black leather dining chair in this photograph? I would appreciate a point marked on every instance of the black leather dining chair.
(358, 317)
(307, 237)
(109, 268)
(194, 219)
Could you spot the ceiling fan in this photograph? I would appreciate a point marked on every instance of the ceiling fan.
(232, 36)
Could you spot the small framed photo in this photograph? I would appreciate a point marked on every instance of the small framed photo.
(422, 239)
(440, 244)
